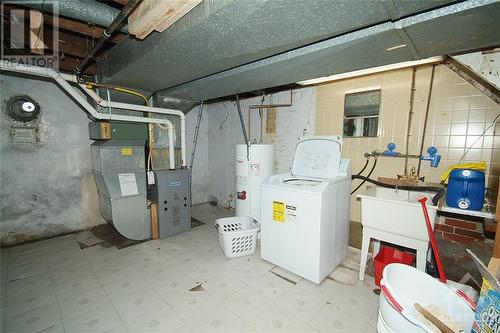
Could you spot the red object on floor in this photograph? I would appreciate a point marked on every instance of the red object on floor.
(434, 246)
(389, 255)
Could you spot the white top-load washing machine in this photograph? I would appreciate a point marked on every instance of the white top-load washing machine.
(305, 213)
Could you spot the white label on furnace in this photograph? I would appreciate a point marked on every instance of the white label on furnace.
(291, 213)
(128, 184)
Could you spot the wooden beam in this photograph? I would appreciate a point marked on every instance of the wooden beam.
(474, 79)
(81, 28)
(157, 14)
(154, 221)
(37, 44)
(178, 14)
(68, 64)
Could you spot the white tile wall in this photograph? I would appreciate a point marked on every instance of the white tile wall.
(458, 115)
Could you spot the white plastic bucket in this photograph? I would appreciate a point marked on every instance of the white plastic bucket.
(237, 235)
(402, 287)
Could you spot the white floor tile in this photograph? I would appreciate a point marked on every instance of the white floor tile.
(31, 283)
(174, 282)
(35, 320)
(304, 306)
(274, 318)
(218, 319)
(223, 285)
(101, 319)
(332, 318)
(83, 302)
(246, 303)
(161, 319)
(145, 288)
(271, 286)
(190, 303)
(76, 286)
(59, 328)
(26, 270)
(29, 300)
(134, 305)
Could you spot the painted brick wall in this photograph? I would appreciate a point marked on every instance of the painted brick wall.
(199, 180)
(224, 132)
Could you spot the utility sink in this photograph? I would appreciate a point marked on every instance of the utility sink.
(396, 211)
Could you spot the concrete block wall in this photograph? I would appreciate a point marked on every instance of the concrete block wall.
(224, 132)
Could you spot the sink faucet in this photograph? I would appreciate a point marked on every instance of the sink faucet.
(433, 157)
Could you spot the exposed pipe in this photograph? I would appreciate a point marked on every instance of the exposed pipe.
(62, 80)
(241, 121)
(427, 107)
(265, 106)
(90, 11)
(106, 34)
(143, 108)
(410, 117)
(268, 106)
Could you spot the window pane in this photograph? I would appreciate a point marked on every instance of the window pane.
(362, 104)
(361, 111)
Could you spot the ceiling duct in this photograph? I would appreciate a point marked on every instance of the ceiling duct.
(90, 11)
(226, 47)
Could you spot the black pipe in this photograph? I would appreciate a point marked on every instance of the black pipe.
(440, 190)
(106, 34)
(364, 167)
(367, 177)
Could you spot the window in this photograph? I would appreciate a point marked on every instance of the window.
(361, 112)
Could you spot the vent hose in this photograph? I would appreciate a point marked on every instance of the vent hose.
(440, 191)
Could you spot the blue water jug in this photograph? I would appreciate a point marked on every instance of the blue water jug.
(466, 189)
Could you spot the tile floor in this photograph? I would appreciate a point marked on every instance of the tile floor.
(54, 286)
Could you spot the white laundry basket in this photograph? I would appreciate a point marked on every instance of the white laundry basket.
(237, 235)
(402, 286)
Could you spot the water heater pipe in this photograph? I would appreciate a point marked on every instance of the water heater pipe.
(144, 108)
(242, 122)
(62, 80)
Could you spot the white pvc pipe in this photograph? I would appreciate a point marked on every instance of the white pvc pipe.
(144, 108)
(61, 80)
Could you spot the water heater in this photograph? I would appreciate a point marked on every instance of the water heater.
(253, 164)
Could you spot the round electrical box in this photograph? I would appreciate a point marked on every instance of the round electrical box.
(23, 108)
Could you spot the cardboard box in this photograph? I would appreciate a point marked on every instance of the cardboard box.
(487, 317)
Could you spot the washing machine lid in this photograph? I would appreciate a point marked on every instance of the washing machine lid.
(317, 156)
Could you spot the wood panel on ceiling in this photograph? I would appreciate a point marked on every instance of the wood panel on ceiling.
(157, 14)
